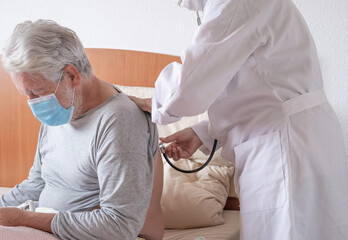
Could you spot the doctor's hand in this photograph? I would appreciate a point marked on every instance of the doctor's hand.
(143, 103)
(183, 144)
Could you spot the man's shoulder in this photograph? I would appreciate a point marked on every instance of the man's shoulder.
(120, 105)
(122, 111)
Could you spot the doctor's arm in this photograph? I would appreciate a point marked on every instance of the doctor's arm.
(221, 46)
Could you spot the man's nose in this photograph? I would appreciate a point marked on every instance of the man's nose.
(32, 96)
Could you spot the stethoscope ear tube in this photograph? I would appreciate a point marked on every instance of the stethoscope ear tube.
(189, 171)
(199, 22)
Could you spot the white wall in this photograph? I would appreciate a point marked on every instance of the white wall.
(160, 26)
(147, 25)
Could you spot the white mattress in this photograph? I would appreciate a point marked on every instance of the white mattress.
(227, 231)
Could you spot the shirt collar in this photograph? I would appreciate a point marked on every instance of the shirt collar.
(194, 5)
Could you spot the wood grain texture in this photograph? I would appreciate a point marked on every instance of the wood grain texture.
(19, 128)
(232, 203)
(128, 68)
(18, 133)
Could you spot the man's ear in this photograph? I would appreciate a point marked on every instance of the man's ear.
(73, 74)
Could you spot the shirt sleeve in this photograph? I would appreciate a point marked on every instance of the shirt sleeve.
(227, 37)
(29, 189)
(201, 129)
(124, 166)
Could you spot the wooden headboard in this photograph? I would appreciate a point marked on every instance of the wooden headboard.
(19, 128)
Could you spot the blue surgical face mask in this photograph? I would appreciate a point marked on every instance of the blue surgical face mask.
(48, 110)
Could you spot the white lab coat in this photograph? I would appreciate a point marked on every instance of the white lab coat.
(254, 66)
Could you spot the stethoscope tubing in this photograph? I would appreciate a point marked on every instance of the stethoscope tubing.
(193, 170)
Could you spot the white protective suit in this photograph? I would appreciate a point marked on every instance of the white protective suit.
(254, 66)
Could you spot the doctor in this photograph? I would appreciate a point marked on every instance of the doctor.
(253, 65)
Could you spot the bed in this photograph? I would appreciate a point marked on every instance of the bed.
(196, 206)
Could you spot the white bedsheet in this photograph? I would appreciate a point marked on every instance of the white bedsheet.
(227, 231)
(16, 233)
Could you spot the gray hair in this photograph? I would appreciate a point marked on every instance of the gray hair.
(45, 48)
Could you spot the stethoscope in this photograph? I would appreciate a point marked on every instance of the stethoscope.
(162, 147)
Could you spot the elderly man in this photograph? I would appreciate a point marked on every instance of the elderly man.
(95, 155)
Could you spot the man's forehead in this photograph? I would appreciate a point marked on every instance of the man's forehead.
(27, 82)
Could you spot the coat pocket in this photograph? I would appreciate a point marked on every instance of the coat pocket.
(259, 176)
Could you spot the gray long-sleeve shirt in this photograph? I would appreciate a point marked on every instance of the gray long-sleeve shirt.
(104, 158)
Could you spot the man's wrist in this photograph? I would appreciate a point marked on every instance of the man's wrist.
(41, 221)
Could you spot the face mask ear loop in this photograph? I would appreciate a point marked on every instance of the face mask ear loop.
(73, 98)
(61, 76)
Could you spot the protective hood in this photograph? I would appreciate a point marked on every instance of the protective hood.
(194, 5)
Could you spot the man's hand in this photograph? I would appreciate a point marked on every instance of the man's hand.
(143, 103)
(10, 216)
(183, 144)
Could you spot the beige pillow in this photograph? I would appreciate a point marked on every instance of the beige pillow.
(194, 200)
